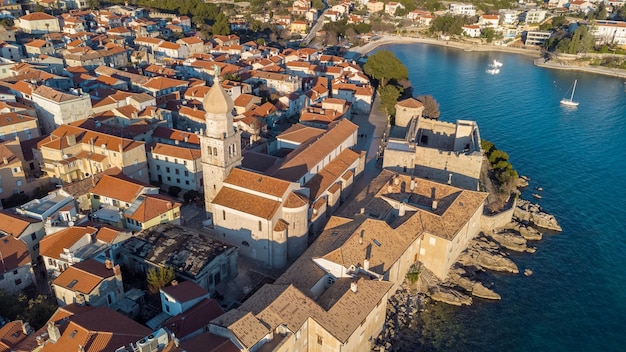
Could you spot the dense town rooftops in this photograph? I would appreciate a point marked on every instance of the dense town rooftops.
(14, 253)
(119, 188)
(53, 245)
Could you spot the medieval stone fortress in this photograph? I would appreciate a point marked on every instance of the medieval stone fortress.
(168, 190)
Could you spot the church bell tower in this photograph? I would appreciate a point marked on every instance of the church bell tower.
(220, 143)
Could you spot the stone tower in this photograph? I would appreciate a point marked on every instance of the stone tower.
(220, 144)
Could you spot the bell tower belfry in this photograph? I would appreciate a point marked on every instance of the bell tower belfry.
(220, 143)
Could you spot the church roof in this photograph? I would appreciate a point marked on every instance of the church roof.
(217, 101)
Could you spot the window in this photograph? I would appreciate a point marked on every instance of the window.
(15, 272)
(185, 162)
(140, 173)
(169, 178)
(167, 169)
(158, 167)
(224, 214)
(177, 172)
(186, 173)
(178, 180)
(18, 282)
(175, 161)
(320, 340)
(187, 182)
(167, 159)
(33, 236)
(260, 226)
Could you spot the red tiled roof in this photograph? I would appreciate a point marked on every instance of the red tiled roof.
(14, 254)
(185, 291)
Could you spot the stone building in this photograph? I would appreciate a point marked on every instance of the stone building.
(267, 218)
(220, 144)
(440, 151)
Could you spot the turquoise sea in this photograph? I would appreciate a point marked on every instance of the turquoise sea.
(576, 298)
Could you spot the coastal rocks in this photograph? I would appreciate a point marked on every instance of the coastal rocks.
(533, 214)
(467, 281)
(483, 253)
(450, 296)
(510, 240)
(522, 182)
(402, 311)
(528, 272)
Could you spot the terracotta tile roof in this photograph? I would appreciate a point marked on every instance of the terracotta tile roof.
(37, 16)
(118, 188)
(151, 206)
(23, 87)
(196, 318)
(98, 329)
(185, 291)
(248, 329)
(306, 156)
(14, 224)
(52, 245)
(53, 94)
(148, 40)
(161, 83)
(296, 200)
(257, 183)
(169, 45)
(331, 173)
(176, 135)
(84, 276)
(11, 335)
(192, 113)
(108, 233)
(299, 133)
(247, 203)
(175, 151)
(14, 253)
(197, 92)
(208, 342)
(37, 43)
(410, 103)
(191, 40)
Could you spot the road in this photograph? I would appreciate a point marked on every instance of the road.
(316, 27)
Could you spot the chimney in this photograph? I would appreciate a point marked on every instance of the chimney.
(169, 205)
(361, 236)
(4, 158)
(353, 286)
(362, 211)
(402, 209)
(413, 184)
(174, 282)
(108, 264)
(39, 340)
(396, 180)
(53, 332)
(434, 204)
(81, 348)
(366, 264)
(449, 179)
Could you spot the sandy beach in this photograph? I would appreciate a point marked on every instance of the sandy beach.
(535, 53)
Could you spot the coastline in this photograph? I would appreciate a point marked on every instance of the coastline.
(538, 61)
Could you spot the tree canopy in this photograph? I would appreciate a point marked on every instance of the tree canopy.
(385, 66)
(431, 106)
(159, 277)
(388, 98)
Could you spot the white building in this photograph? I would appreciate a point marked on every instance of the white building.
(16, 270)
(472, 30)
(56, 108)
(535, 16)
(609, 32)
(175, 166)
(39, 23)
(462, 9)
(509, 16)
(537, 37)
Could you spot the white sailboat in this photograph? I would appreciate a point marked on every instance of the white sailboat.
(570, 101)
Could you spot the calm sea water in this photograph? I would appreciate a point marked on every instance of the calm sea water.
(576, 299)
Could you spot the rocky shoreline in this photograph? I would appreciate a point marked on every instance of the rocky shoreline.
(488, 252)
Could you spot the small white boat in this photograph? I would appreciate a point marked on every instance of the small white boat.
(570, 101)
(497, 63)
(493, 71)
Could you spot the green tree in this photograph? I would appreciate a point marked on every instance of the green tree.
(388, 98)
(159, 277)
(448, 24)
(385, 66)
(318, 4)
(488, 34)
(93, 4)
(431, 106)
(221, 25)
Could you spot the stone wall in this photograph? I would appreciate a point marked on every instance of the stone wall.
(489, 222)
